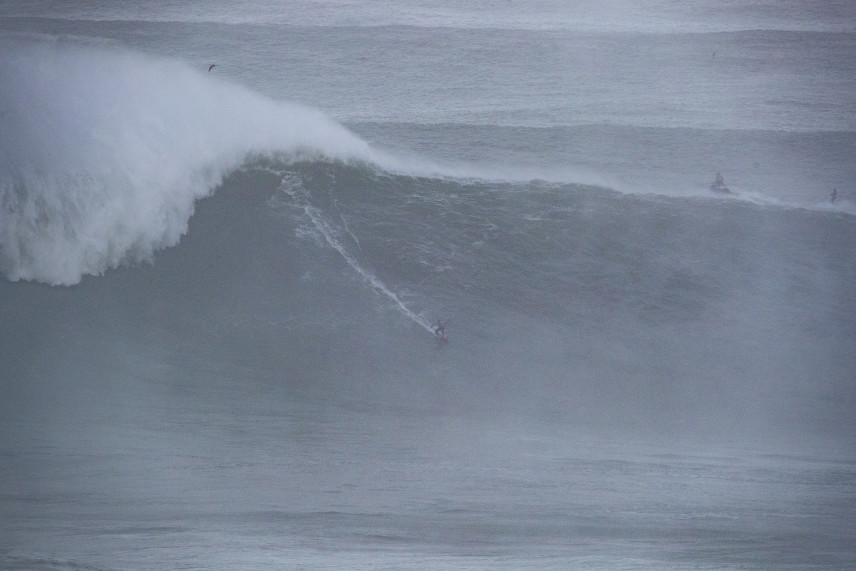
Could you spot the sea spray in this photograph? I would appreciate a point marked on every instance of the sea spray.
(104, 152)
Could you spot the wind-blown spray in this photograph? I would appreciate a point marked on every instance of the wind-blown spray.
(103, 153)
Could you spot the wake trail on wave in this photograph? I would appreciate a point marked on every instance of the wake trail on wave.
(292, 185)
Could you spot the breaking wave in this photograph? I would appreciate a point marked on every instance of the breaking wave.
(104, 152)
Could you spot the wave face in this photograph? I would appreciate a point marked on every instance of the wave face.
(104, 152)
(567, 299)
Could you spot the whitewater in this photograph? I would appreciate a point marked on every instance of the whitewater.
(105, 153)
(217, 287)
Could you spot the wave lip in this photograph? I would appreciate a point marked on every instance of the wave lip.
(104, 152)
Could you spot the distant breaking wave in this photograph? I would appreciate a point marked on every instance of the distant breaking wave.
(103, 152)
(653, 16)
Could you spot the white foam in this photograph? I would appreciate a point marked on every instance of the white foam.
(103, 152)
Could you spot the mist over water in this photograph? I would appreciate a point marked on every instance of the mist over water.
(216, 345)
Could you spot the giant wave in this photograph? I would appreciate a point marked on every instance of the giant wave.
(105, 150)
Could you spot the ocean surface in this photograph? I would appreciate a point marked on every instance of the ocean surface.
(218, 286)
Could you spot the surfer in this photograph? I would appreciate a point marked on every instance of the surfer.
(719, 184)
(440, 329)
(212, 66)
(834, 195)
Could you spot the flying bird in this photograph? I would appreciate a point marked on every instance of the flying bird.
(212, 66)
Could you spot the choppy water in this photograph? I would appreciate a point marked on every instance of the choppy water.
(215, 322)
